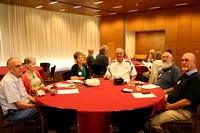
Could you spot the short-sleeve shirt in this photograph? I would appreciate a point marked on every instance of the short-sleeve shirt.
(123, 70)
(168, 77)
(187, 87)
(12, 90)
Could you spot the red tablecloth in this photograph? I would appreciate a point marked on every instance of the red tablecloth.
(4, 70)
(140, 68)
(95, 104)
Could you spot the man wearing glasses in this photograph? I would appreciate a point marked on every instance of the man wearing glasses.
(169, 73)
(185, 95)
(14, 100)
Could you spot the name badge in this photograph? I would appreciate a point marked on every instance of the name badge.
(159, 75)
(79, 73)
(178, 82)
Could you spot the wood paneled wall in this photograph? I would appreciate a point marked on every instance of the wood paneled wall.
(112, 33)
(181, 25)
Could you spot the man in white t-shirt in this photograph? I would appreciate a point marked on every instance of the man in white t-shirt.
(121, 67)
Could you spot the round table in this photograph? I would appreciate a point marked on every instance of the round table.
(4, 70)
(95, 104)
(140, 67)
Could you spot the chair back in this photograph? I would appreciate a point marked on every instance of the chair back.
(97, 69)
(45, 66)
(131, 120)
(53, 70)
(140, 57)
(66, 75)
(59, 119)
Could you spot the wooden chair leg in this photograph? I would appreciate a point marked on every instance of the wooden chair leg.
(34, 127)
(42, 125)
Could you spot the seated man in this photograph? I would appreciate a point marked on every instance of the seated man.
(121, 67)
(14, 100)
(185, 95)
(169, 73)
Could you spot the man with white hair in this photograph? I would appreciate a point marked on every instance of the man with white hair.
(121, 67)
(90, 60)
(101, 62)
(169, 73)
(14, 100)
(152, 56)
(184, 97)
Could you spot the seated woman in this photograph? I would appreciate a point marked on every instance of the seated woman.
(31, 78)
(79, 70)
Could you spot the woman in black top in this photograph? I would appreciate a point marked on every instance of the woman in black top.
(79, 70)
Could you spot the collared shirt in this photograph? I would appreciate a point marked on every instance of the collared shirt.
(187, 87)
(191, 72)
(123, 70)
(168, 77)
(12, 90)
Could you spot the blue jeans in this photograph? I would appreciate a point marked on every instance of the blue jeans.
(24, 114)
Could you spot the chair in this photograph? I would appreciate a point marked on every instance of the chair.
(45, 66)
(130, 121)
(4, 122)
(59, 119)
(50, 76)
(66, 75)
(187, 122)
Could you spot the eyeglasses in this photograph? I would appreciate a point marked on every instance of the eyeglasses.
(165, 57)
(19, 66)
(186, 60)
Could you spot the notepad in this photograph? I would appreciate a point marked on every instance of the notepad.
(150, 86)
(66, 85)
(69, 91)
(140, 95)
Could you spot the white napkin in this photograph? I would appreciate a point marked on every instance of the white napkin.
(40, 93)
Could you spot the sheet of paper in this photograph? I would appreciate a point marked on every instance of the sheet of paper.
(150, 86)
(75, 81)
(66, 85)
(140, 95)
(69, 91)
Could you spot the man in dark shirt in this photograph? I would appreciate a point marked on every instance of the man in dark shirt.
(185, 95)
(169, 74)
(101, 61)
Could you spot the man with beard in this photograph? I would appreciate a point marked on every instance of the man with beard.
(169, 73)
(184, 97)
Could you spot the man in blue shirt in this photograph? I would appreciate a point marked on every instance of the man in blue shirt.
(185, 95)
(14, 100)
(169, 73)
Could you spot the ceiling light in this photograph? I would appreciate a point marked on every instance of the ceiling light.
(77, 6)
(156, 7)
(181, 4)
(112, 13)
(99, 2)
(39, 7)
(96, 10)
(62, 10)
(117, 7)
(97, 15)
(54, 2)
(132, 10)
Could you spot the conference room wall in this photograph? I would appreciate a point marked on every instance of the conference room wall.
(181, 25)
(46, 35)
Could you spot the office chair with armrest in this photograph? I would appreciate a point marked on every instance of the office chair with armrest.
(45, 66)
(50, 77)
(4, 122)
(130, 121)
(59, 119)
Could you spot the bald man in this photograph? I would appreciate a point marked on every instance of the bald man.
(14, 100)
(90, 60)
(121, 67)
(185, 95)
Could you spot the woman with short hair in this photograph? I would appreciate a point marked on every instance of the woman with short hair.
(79, 70)
(31, 78)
